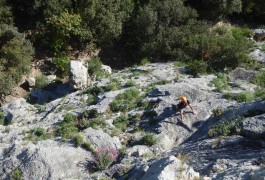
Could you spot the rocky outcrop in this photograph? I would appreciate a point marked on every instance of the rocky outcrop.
(79, 78)
(239, 155)
(45, 160)
(259, 34)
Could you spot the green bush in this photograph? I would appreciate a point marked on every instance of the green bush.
(78, 140)
(62, 64)
(2, 118)
(113, 85)
(95, 68)
(16, 54)
(226, 127)
(68, 127)
(126, 101)
(41, 81)
(240, 97)
(149, 139)
(197, 67)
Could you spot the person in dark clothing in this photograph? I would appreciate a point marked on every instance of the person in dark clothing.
(183, 103)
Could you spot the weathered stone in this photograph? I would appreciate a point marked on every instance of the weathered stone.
(31, 81)
(170, 168)
(99, 139)
(254, 127)
(79, 78)
(243, 74)
(106, 68)
(139, 150)
(259, 34)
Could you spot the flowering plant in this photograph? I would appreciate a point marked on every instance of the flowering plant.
(104, 157)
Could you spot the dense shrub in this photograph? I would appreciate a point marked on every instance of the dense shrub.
(15, 53)
(5, 13)
(68, 127)
(197, 68)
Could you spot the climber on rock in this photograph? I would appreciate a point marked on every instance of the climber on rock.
(183, 103)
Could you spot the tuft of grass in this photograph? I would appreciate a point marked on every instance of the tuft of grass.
(221, 82)
(130, 83)
(89, 146)
(16, 174)
(121, 122)
(149, 139)
(78, 140)
(68, 128)
(2, 118)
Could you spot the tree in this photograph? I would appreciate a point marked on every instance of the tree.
(5, 13)
(15, 57)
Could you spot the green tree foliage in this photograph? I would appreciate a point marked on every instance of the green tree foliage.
(103, 19)
(5, 13)
(157, 27)
(254, 10)
(15, 57)
(216, 9)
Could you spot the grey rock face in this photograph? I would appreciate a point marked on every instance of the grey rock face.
(254, 127)
(46, 160)
(99, 139)
(19, 110)
(242, 74)
(106, 68)
(78, 75)
(31, 81)
(170, 168)
(258, 55)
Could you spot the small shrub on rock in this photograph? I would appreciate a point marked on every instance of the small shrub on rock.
(16, 174)
(38, 134)
(89, 146)
(197, 67)
(221, 82)
(2, 118)
(78, 140)
(149, 139)
(226, 127)
(217, 112)
(240, 97)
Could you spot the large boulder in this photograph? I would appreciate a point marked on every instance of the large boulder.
(254, 127)
(170, 168)
(79, 78)
(100, 139)
(45, 160)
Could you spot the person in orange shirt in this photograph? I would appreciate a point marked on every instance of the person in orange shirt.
(183, 103)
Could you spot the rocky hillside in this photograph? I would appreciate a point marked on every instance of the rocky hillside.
(126, 127)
